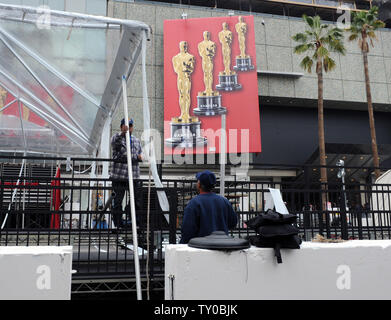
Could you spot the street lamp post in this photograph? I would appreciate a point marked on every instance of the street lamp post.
(341, 175)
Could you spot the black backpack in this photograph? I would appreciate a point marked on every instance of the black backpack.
(274, 230)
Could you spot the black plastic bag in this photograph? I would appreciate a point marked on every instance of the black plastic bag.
(271, 217)
(275, 230)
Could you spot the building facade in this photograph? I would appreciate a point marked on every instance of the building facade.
(287, 94)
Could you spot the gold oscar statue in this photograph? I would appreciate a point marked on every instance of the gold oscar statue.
(183, 64)
(207, 51)
(209, 101)
(26, 113)
(228, 79)
(243, 61)
(185, 129)
(225, 37)
(3, 97)
(241, 29)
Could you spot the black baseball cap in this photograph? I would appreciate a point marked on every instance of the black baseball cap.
(123, 122)
(206, 178)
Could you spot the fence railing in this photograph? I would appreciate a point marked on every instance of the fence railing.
(38, 208)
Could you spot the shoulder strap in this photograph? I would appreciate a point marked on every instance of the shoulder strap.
(277, 252)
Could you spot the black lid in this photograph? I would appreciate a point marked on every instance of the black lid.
(218, 240)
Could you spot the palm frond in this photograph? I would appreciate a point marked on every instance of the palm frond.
(336, 32)
(378, 24)
(317, 22)
(317, 42)
(337, 46)
(353, 37)
(328, 64)
(371, 41)
(354, 29)
(300, 37)
(307, 64)
(322, 52)
(374, 10)
(308, 20)
(301, 48)
(365, 23)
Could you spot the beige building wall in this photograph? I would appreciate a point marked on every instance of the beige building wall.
(343, 88)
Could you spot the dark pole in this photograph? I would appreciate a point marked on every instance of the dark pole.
(307, 179)
(173, 215)
(344, 223)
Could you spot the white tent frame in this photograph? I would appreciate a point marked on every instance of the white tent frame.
(124, 63)
(122, 69)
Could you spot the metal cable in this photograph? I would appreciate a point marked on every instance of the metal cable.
(148, 211)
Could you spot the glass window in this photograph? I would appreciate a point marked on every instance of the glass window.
(303, 1)
(15, 2)
(330, 3)
(56, 4)
(32, 3)
(96, 7)
(348, 4)
(75, 6)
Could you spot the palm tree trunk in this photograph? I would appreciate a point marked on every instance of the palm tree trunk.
(322, 148)
(370, 112)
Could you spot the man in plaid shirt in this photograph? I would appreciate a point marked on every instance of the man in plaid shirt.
(119, 170)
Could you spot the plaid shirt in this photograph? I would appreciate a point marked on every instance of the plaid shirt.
(120, 170)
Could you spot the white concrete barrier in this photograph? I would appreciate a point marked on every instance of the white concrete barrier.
(35, 273)
(358, 269)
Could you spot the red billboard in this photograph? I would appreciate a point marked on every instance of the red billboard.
(210, 72)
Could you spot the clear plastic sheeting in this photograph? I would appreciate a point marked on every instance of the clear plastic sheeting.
(60, 77)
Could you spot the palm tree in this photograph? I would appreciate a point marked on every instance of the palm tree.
(317, 42)
(363, 27)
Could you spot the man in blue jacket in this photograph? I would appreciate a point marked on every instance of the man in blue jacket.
(207, 212)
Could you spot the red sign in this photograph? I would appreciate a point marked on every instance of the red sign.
(217, 54)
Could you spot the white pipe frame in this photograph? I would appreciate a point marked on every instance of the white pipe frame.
(32, 73)
(52, 69)
(131, 192)
(100, 19)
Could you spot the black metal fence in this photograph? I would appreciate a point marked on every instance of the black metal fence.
(38, 208)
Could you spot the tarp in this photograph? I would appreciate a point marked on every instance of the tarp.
(60, 77)
(63, 71)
